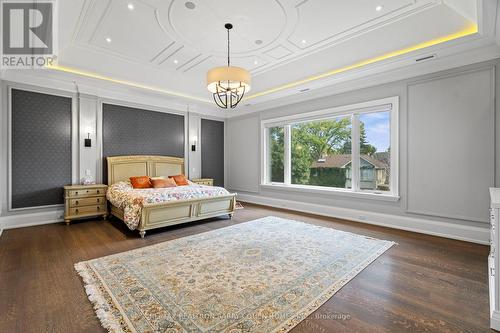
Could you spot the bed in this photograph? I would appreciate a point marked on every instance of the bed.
(158, 208)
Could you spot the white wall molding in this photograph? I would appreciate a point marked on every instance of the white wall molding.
(468, 233)
(194, 135)
(31, 219)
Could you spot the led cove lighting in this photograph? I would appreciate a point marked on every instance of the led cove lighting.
(466, 32)
(128, 83)
(472, 29)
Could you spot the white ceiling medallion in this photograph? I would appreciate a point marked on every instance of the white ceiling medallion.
(228, 84)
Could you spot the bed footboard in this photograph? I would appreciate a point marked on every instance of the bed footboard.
(176, 212)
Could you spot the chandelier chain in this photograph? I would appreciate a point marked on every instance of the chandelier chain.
(228, 61)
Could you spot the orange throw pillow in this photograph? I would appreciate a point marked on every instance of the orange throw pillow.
(140, 182)
(180, 180)
(162, 183)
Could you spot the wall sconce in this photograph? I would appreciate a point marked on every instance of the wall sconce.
(88, 141)
(193, 146)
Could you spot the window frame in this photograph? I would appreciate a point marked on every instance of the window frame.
(389, 104)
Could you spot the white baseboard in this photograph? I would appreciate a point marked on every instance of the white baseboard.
(31, 219)
(467, 233)
(495, 320)
(474, 234)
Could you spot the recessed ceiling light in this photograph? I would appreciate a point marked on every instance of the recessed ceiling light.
(130, 6)
(378, 8)
(255, 62)
(258, 41)
(108, 39)
(176, 61)
(190, 5)
(304, 41)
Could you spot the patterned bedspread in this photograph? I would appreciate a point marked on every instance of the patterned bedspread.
(131, 200)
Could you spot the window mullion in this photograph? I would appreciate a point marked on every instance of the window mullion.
(288, 155)
(355, 152)
(267, 156)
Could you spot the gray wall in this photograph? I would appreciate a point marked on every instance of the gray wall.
(459, 102)
(41, 148)
(131, 131)
(212, 150)
(451, 147)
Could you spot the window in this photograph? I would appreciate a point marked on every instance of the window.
(276, 155)
(375, 151)
(315, 146)
(349, 149)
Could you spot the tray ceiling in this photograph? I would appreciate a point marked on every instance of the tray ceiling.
(171, 44)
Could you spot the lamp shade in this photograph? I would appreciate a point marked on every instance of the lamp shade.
(228, 77)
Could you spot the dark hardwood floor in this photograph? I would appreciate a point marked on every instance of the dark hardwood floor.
(423, 284)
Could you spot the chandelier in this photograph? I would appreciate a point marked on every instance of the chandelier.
(228, 84)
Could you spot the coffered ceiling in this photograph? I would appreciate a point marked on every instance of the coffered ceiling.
(169, 45)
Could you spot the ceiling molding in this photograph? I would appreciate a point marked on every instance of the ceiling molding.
(151, 53)
(473, 29)
(125, 82)
(366, 79)
(152, 31)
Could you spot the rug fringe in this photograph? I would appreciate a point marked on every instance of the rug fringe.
(101, 306)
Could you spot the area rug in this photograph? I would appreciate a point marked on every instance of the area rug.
(266, 275)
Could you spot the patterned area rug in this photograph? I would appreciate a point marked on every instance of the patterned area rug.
(265, 275)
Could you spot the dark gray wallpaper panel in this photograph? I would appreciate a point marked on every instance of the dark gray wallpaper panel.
(212, 150)
(41, 148)
(131, 131)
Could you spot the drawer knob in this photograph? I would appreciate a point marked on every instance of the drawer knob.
(98, 208)
(97, 191)
(76, 202)
(76, 193)
(76, 210)
(98, 200)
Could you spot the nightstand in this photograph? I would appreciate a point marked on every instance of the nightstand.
(84, 201)
(203, 181)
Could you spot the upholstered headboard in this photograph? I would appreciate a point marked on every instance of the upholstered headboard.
(121, 168)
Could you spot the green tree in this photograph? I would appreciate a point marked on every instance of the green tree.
(309, 142)
(364, 146)
(277, 150)
(313, 140)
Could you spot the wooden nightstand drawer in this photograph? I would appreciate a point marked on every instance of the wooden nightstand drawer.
(86, 192)
(87, 201)
(204, 181)
(84, 210)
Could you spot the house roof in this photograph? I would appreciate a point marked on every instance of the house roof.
(341, 160)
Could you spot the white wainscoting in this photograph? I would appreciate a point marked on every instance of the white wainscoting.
(32, 219)
(474, 234)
